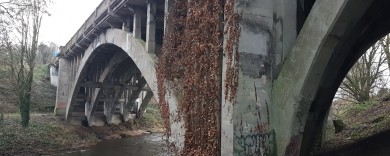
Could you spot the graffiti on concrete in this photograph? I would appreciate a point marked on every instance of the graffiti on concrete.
(253, 144)
(253, 138)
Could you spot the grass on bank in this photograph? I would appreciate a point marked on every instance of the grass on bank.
(45, 134)
(43, 94)
(151, 118)
(363, 120)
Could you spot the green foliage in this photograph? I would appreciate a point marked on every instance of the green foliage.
(43, 94)
(152, 117)
(362, 106)
(41, 72)
(43, 133)
(22, 21)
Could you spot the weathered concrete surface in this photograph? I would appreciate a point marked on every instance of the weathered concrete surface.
(116, 119)
(62, 89)
(245, 123)
(53, 75)
(97, 120)
(296, 86)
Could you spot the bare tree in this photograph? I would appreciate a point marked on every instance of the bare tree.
(385, 43)
(22, 22)
(45, 52)
(365, 76)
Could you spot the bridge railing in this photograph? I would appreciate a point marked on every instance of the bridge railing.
(94, 22)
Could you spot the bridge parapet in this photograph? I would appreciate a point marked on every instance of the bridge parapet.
(142, 17)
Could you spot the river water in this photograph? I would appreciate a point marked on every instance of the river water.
(146, 145)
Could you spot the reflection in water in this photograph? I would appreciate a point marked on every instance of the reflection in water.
(146, 145)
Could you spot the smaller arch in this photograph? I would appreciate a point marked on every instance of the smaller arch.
(318, 63)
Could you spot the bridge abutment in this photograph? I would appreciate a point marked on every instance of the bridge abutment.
(64, 83)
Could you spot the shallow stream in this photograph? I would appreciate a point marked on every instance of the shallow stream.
(146, 145)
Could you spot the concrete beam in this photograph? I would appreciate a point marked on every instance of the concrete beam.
(127, 107)
(151, 27)
(108, 85)
(110, 104)
(144, 104)
(117, 93)
(135, 94)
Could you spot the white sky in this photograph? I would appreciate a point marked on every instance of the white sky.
(66, 18)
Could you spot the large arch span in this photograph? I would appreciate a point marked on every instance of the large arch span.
(144, 61)
(115, 61)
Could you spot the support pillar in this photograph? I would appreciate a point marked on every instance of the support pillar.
(245, 112)
(126, 25)
(151, 27)
(144, 103)
(166, 14)
(137, 23)
(63, 85)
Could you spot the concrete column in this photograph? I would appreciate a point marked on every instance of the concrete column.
(245, 120)
(53, 76)
(166, 13)
(63, 85)
(144, 103)
(137, 23)
(169, 8)
(151, 27)
(126, 25)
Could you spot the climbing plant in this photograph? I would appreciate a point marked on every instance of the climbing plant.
(192, 63)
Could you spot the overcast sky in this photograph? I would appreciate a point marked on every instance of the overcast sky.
(66, 18)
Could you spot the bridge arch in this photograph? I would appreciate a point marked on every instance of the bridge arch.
(334, 36)
(132, 49)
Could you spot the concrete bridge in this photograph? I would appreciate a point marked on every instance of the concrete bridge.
(291, 57)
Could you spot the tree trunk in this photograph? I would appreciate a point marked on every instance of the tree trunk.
(25, 100)
(386, 49)
(1, 117)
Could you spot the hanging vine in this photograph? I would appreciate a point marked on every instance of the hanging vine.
(191, 62)
(232, 32)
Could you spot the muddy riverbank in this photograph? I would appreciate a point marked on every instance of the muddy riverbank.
(48, 134)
